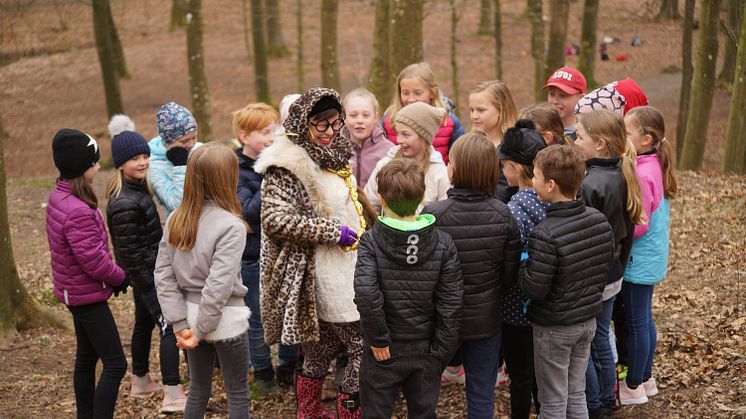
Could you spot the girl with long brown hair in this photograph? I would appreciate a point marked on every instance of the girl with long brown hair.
(198, 279)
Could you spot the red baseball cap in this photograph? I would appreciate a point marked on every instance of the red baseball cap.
(569, 80)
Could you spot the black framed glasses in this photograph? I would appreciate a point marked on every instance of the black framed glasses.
(324, 125)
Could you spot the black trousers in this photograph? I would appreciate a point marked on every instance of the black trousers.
(519, 359)
(410, 369)
(97, 338)
(146, 318)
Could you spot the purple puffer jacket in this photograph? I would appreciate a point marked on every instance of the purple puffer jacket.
(82, 267)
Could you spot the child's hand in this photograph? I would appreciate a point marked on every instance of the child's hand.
(381, 354)
(186, 340)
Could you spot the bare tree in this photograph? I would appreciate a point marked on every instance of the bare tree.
(300, 72)
(485, 17)
(246, 28)
(559, 11)
(538, 50)
(261, 76)
(106, 56)
(405, 38)
(687, 74)
(179, 9)
(731, 29)
(196, 64)
(587, 59)
(498, 40)
(455, 93)
(275, 41)
(329, 64)
(380, 79)
(669, 10)
(18, 310)
(117, 52)
(734, 157)
(703, 87)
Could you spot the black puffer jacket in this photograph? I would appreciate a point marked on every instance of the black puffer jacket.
(489, 249)
(605, 189)
(250, 197)
(568, 260)
(408, 288)
(135, 229)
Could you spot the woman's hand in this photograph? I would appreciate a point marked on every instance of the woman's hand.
(185, 339)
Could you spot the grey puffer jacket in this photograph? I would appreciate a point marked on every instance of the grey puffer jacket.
(569, 256)
(489, 249)
(408, 288)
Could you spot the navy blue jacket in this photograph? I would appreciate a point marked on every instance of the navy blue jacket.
(250, 196)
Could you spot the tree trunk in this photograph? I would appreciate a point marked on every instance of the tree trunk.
(179, 9)
(687, 73)
(669, 10)
(119, 62)
(498, 40)
(485, 17)
(105, 49)
(455, 95)
(703, 87)
(587, 59)
(329, 63)
(18, 310)
(734, 157)
(405, 39)
(196, 63)
(380, 79)
(261, 76)
(275, 41)
(559, 11)
(732, 28)
(535, 13)
(246, 29)
(300, 72)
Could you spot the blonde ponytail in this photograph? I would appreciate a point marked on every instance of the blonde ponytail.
(634, 196)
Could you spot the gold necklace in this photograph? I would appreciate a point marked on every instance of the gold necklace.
(346, 175)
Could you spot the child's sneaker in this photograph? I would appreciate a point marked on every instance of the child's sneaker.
(630, 396)
(449, 377)
(650, 388)
(502, 377)
(174, 399)
(143, 386)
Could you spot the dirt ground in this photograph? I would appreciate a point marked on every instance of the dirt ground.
(51, 79)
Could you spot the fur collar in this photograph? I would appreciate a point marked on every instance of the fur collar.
(285, 154)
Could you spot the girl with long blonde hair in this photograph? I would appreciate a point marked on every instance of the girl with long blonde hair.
(198, 279)
(610, 186)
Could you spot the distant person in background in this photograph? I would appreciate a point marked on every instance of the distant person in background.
(417, 83)
(368, 139)
(169, 151)
(564, 88)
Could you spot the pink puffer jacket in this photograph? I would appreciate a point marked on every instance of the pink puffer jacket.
(82, 267)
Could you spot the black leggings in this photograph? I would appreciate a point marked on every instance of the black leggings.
(517, 347)
(145, 320)
(97, 338)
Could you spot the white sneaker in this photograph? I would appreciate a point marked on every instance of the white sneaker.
(448, 378)
(628, 396)
(650, 388)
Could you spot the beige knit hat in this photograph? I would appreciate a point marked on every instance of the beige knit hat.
(424, 119)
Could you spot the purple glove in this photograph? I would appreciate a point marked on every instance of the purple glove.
(347, 236)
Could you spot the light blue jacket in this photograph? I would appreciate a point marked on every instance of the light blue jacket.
(648, 262)
(166, 179)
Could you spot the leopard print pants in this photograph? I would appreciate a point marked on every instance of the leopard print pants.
(318, 355)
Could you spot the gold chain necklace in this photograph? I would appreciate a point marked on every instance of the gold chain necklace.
(346, 175)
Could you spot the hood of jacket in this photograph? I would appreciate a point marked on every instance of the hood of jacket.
(406, 248)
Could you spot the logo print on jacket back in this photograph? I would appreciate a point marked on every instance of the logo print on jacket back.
(412, 249)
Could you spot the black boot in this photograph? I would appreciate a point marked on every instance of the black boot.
(264, 381)
(285, 373)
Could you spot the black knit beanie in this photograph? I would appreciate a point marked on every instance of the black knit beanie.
(521, 143)
(74, 152)
(127, 145)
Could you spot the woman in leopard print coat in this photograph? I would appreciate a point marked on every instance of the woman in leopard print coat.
(310, 222)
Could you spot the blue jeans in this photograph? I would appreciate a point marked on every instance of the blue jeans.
(261, 357)
(601, 373)
(641, 332)
(480, 365)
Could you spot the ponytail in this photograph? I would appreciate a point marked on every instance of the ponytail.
(665, 154)
(634, 196)
(650, 122)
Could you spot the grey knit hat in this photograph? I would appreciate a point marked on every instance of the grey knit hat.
(424, 119)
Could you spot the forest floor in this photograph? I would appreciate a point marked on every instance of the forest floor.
(50, 78)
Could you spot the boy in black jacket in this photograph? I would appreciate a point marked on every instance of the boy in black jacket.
(408, 290)
(569, 257)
